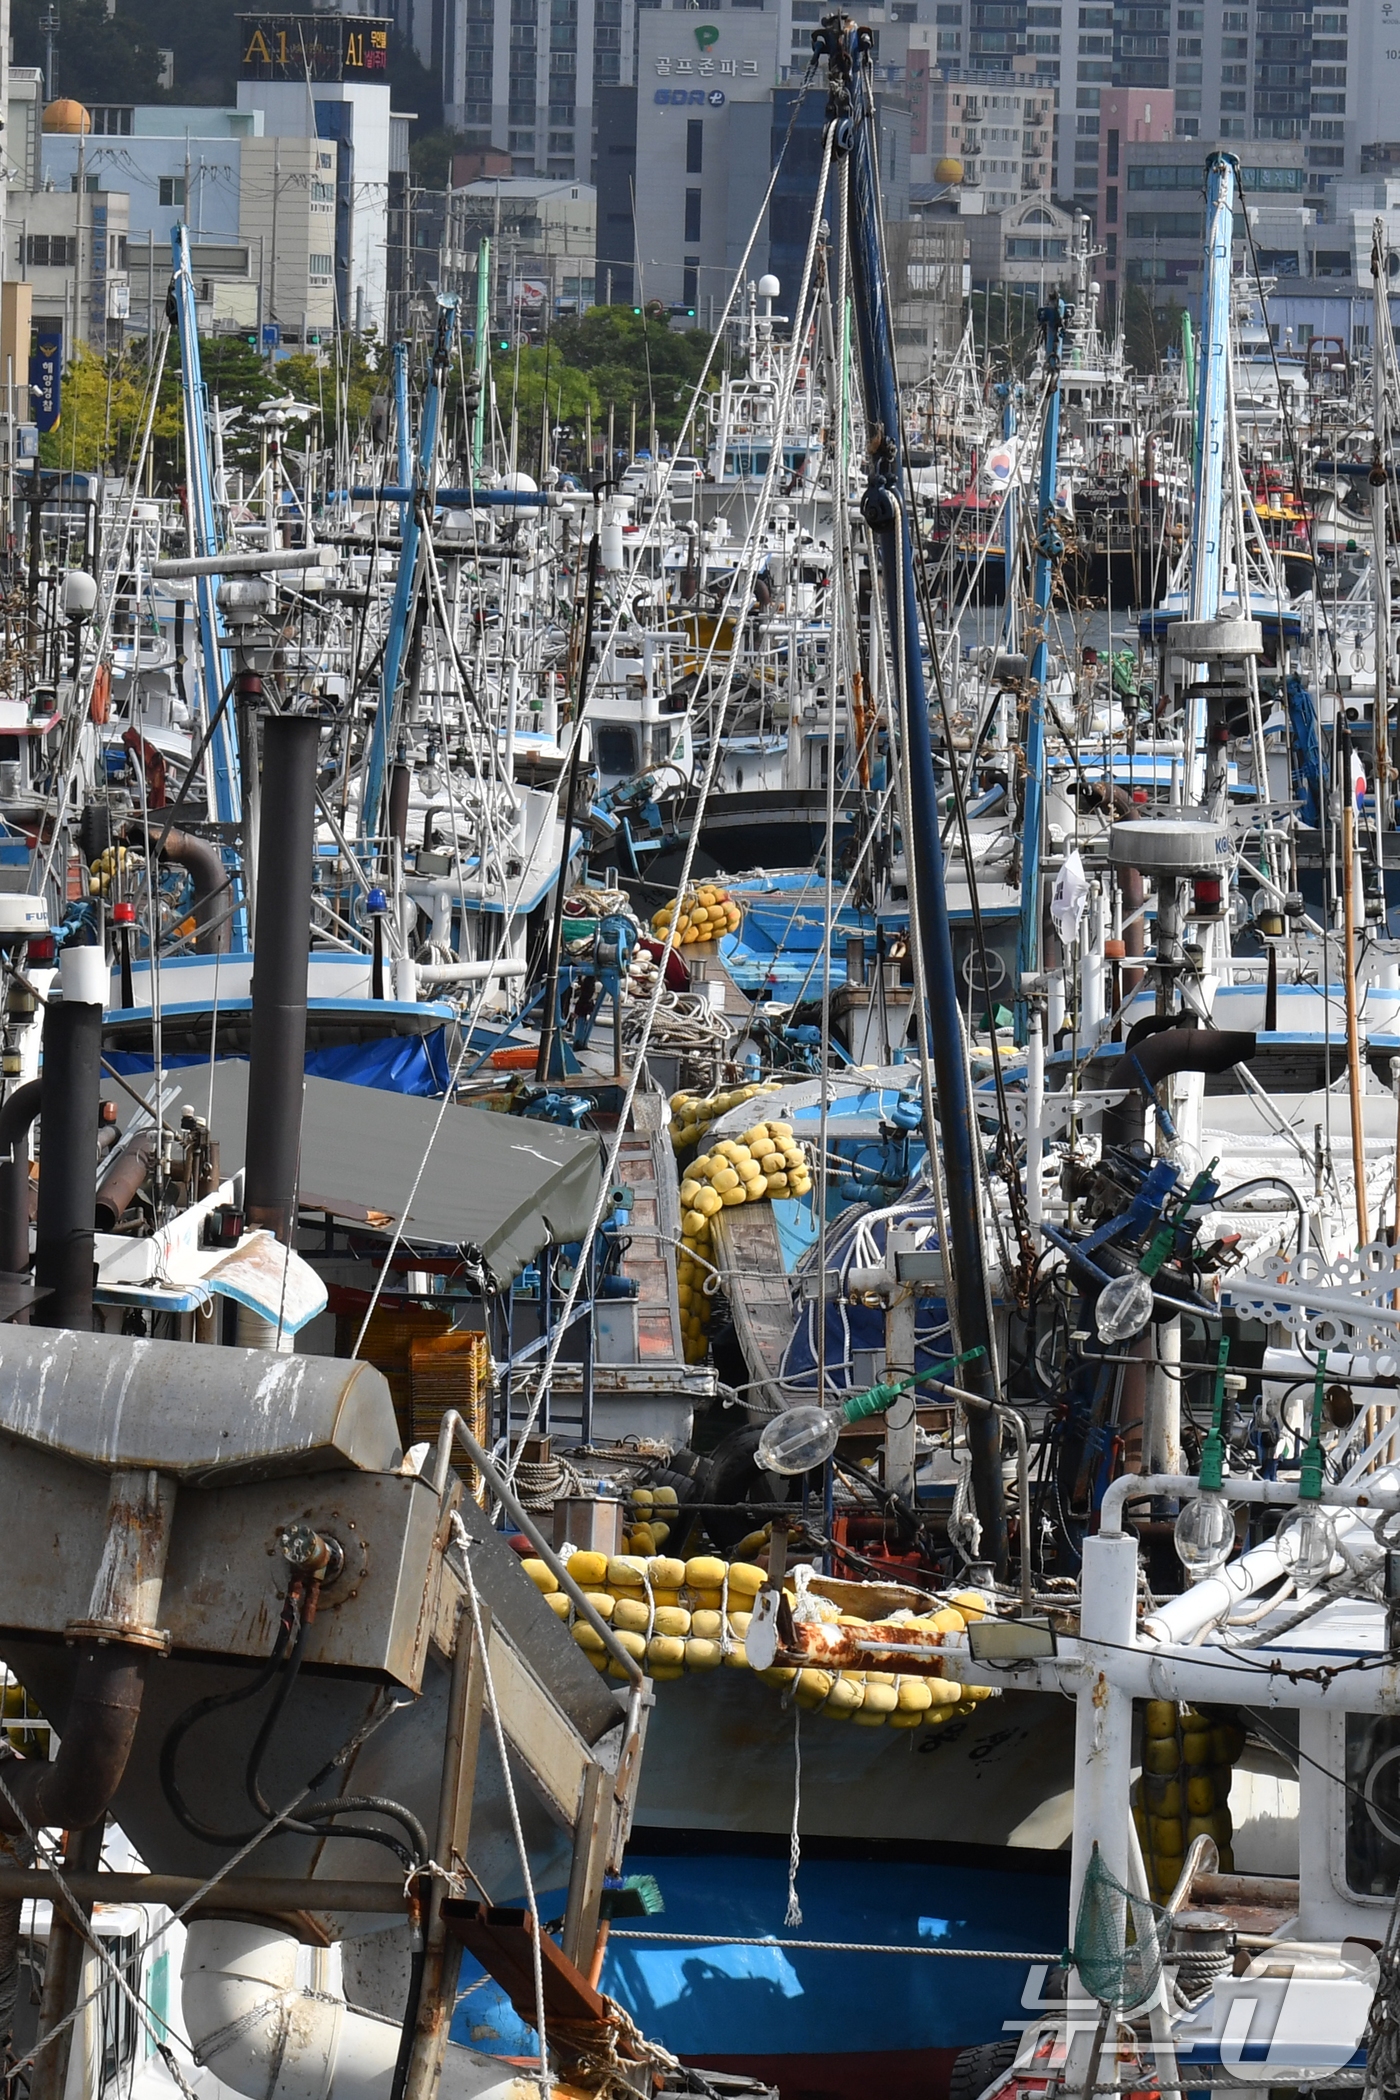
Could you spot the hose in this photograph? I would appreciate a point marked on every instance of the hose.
(316, 1817)
(1226, 1198)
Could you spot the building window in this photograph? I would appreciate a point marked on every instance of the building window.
(108, 122)
(694, 146)
(1111, 164)
(51, 251)
(172, 190)
(321, 265)
(323, 193)
(522, 141)
(1110, 205)
(1331, 262)
(1086, 149)
(92, 185)
(690, 279)
(1231, 98)
(692, 218)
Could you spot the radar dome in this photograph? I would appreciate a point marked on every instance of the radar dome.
(768, 287)
(948, 170)
(67, 115)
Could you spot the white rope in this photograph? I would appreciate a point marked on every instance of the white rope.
(793, 1917)
(464, 1543)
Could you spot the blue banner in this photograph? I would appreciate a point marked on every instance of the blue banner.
(46, 377)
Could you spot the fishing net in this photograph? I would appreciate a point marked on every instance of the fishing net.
(1118, 1940)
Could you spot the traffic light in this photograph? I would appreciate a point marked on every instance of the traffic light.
(505, 342)
(637, 310)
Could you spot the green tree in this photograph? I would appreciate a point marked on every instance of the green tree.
(542, 385)
(104, 406)
(1150, 327)
(342, 389)
(430, 157)
(630, 356)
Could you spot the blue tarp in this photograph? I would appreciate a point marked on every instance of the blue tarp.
(395, 1064)
(851, 1328)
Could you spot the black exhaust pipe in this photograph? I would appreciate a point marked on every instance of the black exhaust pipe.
(277, 1037)
(1154, 1056)
(69, 1109)
(16, 1116)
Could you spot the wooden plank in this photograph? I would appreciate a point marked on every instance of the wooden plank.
(749, 1251)
(555, 1756)
(588, 1868)
(502, 1940)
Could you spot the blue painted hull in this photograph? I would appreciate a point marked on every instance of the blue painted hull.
(820, 2026)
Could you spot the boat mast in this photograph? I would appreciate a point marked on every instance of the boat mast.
(1212, 426)
(409, 581)
(851, 110)
(1382, 374)
(219, 723)
(1049, 546)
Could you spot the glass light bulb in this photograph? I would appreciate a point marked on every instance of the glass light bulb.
(1204, 1534)
(798, 1439)
(1307, 1545)
(1124, 1307)
(1186, 1159)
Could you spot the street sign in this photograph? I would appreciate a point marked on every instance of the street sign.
(271, 335)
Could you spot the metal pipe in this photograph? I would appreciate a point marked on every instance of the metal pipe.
(277, 1037)
(75, 1791)
(205, 865)
(474, 972)
(465, 499)
(243, 564)
(1277, 1494)
(17, 1115)
(1159, 1056)
(1023, 1488)
(69, 1100)
(267, 1895)
(118, 1186)
(454, 1427)
(63, 1976)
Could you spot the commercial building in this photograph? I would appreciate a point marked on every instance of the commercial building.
(1161, 206)
(324, 77)
(930, 279)
(543, 243)
(287, 217)
(685, 157)
(1127, 117)
(524, 76)
(261, 211)
(1028, 243)
(705, 113)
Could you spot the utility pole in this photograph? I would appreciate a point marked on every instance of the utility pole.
(50, 25)
(276, 188)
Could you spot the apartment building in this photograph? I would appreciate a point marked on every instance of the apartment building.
(523, 76)
(1000, 125)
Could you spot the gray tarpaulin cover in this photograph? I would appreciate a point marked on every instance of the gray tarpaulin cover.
(505, 1185)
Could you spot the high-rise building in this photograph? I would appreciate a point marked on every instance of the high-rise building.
(325, 77)
(523, 76)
